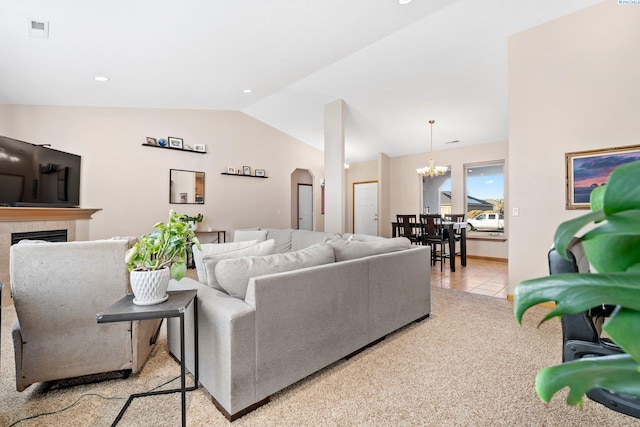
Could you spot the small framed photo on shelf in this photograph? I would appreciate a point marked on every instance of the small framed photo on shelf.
(200, 148)
(231, 170)
(151, 141)
(259, 172)
(175, 142)
(246, 170)
(183, 197)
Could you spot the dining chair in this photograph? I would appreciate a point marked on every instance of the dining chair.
(433, 235)
(457, 234)
(408, 227)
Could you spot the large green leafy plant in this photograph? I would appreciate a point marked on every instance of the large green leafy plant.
(611, 241)
(167, 246)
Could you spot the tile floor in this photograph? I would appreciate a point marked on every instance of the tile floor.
(479, 276)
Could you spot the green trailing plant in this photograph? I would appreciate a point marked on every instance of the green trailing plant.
(611, 241)
(194, 219)
(166, 247)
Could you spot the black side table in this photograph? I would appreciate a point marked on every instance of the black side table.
(125, 310)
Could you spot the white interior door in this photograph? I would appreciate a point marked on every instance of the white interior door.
(365, 208)
(305, 207)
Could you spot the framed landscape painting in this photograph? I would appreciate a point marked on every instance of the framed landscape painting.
(587, 170)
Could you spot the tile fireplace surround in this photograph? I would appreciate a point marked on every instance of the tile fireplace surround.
(20, 220)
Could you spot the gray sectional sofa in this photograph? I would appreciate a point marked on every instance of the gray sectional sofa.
(286, 303)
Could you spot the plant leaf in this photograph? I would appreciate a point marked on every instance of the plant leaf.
(623, 327)
(178, 270)
(596, 199)
(623, 189)
(618, 372)
(575, 293)
(610, 253)
(568, 229)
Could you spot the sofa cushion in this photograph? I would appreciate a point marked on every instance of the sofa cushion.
(282, 238)
(233, 274)
(214, 249)
(352, 249)
(362, 237)
(301, 239)
(242, 235)
(210, 261)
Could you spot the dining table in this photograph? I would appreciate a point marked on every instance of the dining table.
(451, 228)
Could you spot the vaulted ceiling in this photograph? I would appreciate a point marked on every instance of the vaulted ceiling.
(395, 66)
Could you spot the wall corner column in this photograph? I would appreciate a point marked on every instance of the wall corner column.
(334, 217)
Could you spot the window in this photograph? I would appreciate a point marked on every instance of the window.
(485, 199)
(436, 194)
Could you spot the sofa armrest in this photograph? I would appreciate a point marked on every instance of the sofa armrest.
(226, 344)
(399, 289)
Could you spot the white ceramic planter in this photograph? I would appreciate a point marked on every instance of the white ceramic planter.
(150, 287)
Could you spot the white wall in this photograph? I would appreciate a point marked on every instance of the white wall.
(130, 183)
(573, 86)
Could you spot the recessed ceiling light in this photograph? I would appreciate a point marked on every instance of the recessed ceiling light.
(404, 1)
(247, 91)
(101, 79)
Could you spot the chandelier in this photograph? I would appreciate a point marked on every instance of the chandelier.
(432, 170)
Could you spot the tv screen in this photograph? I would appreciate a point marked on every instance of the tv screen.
(34, 175)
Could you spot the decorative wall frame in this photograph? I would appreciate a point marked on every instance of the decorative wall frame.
(175, 142)
(246, 170)
(586, 170)
(259, 172)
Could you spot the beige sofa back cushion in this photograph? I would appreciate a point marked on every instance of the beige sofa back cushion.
(233, 274)
(352, 249)
(210, 261)
(215, 249)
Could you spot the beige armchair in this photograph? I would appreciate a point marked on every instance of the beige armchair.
(57, 289)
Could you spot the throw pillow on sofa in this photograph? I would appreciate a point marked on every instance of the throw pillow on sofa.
(215, 249)
(352, 249)
(234, 274)
(243, 235)
(210, 261)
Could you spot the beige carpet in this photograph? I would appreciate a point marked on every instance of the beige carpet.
(469, 364)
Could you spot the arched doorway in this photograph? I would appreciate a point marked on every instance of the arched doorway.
(302, 196)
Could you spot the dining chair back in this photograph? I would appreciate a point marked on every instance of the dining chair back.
(433, 235)
(408, 227)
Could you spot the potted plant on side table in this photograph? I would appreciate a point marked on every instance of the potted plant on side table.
(193, 221)
(158, 257)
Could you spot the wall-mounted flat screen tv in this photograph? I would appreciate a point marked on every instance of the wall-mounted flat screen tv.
(37, 176)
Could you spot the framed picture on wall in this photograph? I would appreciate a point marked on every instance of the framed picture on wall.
(175, 142)
(231, 169)
(586, 170)
(259, 172)
(151, 141)
(246, 170)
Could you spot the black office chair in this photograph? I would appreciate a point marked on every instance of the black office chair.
(581, 333)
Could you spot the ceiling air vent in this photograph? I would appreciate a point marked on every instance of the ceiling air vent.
(38, 29)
